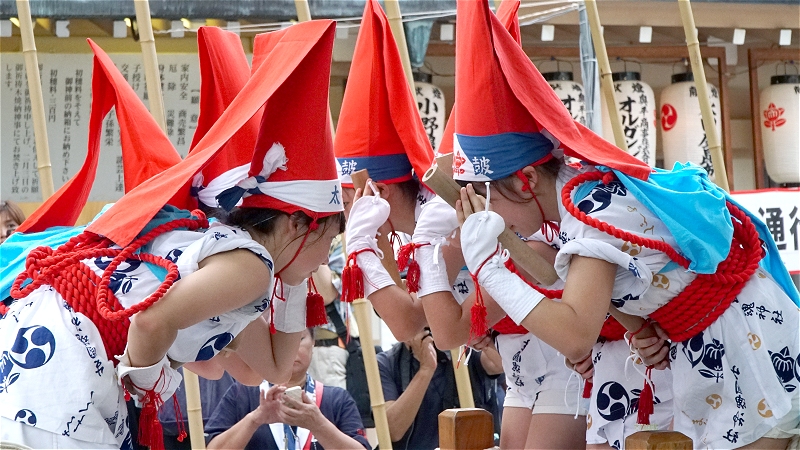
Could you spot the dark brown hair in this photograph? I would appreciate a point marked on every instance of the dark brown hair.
(13, 211)
(261, 219)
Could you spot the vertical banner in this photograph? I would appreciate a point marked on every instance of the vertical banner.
(66, 85)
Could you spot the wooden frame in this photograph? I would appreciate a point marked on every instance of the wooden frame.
(643, 53)
(754, 57)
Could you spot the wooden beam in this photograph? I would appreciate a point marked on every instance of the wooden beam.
(707, 14)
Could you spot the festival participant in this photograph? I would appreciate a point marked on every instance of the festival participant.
(670, 244)
(190, 291)
(380, 130)
(543, 394)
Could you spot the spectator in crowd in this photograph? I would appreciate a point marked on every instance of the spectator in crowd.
(211, 391)
(11, 216)
(251, 417)
(419, 382)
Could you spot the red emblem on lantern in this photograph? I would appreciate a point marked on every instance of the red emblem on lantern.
(458, 161)
(669, 116)
(773, 116)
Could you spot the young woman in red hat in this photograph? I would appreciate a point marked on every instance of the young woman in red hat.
(148, 287)
(667, 246)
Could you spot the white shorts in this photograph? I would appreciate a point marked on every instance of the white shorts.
(614, 404)
(537, 377)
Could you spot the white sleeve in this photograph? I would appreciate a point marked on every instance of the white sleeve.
(633, 275)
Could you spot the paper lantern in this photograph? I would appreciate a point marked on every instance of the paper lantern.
(636, 106)
(430, 100)
(682, 134)
(780, 128)
(570, 93)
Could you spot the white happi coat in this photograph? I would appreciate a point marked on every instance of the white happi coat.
(54, 370)
(739, 377)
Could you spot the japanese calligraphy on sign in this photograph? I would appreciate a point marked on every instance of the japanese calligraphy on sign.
(66, 85)
(430, 101)
(571, 95)
(636, 107)
(779, 209)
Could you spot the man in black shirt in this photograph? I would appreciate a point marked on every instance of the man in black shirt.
(418, 383)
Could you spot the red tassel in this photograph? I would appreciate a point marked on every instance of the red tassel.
(412, 276)
(478, 326)
(645, 401)
(151, 433)
(352, 279)
(406, 261)
(3, 309)
(587, 389)
(179, 418)
(315, 306)
(405, 255)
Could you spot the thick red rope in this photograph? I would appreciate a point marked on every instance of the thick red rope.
(708, 295)
(85, 292)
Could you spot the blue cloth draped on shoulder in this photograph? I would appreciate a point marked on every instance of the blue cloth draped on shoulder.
(14, 251)
(693, 209)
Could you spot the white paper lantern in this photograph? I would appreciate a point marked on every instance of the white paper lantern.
(570, 93)
(682, 134)
(636, 106)
(430, 101)
(780, 128)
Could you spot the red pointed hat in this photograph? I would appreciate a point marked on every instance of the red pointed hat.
(146, 150)
(290, 85)
(379, 125)
(508, 116)
(507, 13)
(224, 71)
(293, 167)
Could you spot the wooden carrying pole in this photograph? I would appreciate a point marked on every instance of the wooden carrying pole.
(362, 309)
(152, 77)
(714, 146)
(194, 407)
(527, 259)
(396, 24)
(37, 101)
(606, 84)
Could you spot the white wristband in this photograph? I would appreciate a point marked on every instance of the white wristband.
(375, 275)
(290, 315)
(160, 377)
(509, 291)
(433, 273)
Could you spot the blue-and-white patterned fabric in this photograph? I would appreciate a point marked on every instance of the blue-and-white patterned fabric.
(54, 371)
(739, 377)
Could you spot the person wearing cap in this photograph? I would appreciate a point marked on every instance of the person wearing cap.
(380, 130)
(103, 323)
(668, 246)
